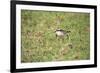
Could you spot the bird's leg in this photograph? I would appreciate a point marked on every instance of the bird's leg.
(68, 37)
(62, 38)
(57, 37)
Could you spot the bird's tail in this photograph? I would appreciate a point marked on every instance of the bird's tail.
(68, 31)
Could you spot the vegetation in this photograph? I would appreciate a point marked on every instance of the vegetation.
(40, 44)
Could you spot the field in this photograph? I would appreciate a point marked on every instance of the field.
(40, 44)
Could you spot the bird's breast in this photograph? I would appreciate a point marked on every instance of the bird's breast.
(60, 33)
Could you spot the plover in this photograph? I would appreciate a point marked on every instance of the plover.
(61, 33)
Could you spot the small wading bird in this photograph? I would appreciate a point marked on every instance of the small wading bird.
(61, 33)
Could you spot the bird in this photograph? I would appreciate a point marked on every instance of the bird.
(61, 33)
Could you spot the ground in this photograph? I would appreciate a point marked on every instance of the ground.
(40, 44)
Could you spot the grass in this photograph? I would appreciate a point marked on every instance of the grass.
(38, 40)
